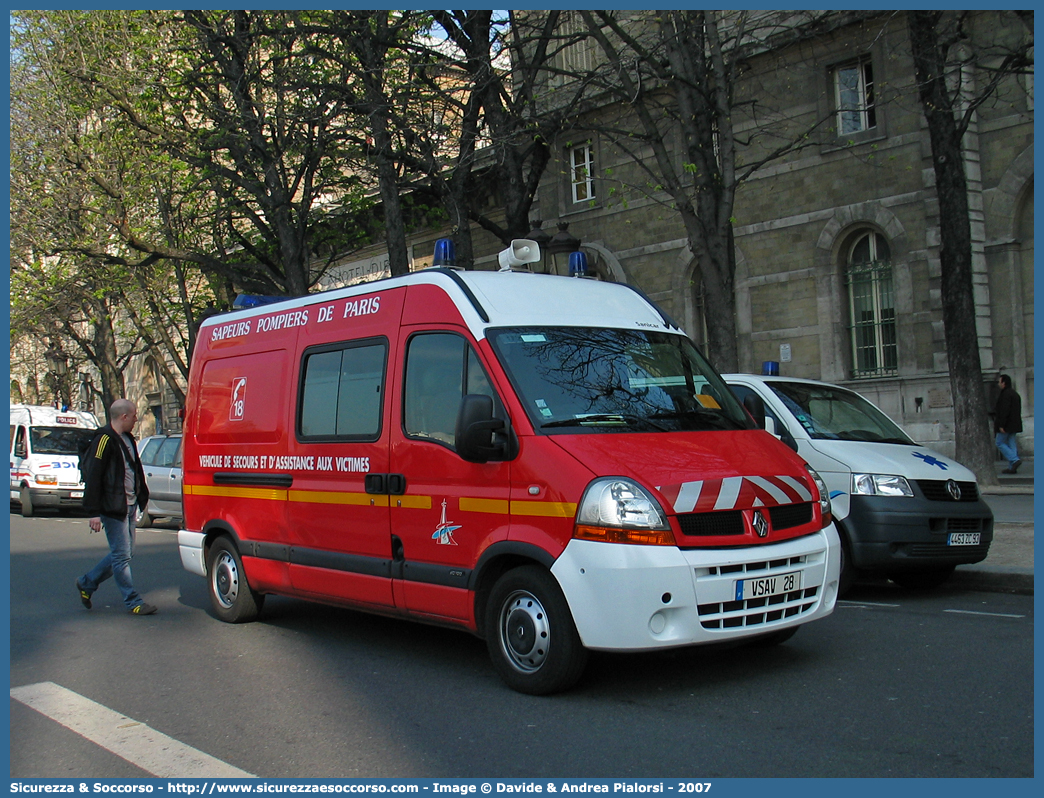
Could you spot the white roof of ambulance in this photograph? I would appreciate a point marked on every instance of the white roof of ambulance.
(507, 299)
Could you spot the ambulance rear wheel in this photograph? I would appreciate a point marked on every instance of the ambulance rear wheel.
(26, 501)
(530, 633)
(233, 599)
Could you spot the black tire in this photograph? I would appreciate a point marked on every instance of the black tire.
(774, 638)
(26, 501)
(848, 571)
(233, 599)
(530, 633)
(922, 580)
(144, 520)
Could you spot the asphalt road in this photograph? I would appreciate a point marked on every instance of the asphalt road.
(894, 683)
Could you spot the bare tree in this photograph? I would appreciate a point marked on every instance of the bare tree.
(945, 56)
(677, 72)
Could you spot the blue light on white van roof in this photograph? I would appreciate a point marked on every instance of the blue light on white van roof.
(254, 300)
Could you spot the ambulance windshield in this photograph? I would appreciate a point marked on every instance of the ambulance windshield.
(829, 413)
(580, 379)
(59, 440)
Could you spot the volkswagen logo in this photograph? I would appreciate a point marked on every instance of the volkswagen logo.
(760, 524)
(954, 490)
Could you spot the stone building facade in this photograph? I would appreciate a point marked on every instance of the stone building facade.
(837, 245)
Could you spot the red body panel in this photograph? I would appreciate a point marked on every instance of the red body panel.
(301, 509)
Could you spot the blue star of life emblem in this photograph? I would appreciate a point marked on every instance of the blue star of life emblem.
(931, 460)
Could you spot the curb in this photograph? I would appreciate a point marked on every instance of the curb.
(993, 579)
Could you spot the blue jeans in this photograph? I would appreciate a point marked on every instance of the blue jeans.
(1006, 444)
(120, 534)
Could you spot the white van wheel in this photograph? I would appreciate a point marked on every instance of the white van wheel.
(27, 502)
(233, 599)
(530, 633)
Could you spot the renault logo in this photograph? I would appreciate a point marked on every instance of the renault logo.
(760, 524)
(954, 490)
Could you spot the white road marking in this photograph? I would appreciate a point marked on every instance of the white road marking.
(135, 742)
(988, 614)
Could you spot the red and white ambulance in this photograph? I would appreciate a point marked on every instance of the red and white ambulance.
(547, 462)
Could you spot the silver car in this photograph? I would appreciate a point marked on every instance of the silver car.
(161, 459)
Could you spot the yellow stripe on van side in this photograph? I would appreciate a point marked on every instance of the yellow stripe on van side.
(544, 509)
(493, 506)
(230, 492)
(336, 497)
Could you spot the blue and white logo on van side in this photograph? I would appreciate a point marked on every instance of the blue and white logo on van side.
(443, 534)
(929, 460)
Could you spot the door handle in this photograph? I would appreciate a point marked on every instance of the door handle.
(385, 484)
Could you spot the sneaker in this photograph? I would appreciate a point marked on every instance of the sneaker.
(143, 609)
(85, 597)
(1015, 466)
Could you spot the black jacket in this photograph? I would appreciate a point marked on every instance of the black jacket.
(1008, 413)
(104, 492)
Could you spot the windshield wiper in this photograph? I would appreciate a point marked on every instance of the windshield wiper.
(603, 418)
(712, 417)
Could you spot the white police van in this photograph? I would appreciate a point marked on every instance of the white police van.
(45, 461)
(902, 510)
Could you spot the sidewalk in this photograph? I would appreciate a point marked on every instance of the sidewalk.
(1009, 566)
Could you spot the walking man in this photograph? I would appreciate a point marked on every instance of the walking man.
(114, 490)
(1007, 421)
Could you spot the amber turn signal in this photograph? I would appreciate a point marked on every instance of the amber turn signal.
(641, 537)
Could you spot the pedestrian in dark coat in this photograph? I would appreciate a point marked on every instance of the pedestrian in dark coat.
(114, 491)
(1007, 422)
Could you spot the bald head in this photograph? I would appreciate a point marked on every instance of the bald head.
(123, 415)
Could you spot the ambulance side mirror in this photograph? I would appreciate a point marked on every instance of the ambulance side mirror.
(475, 428)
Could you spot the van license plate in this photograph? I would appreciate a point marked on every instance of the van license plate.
(767, 585)
(963, 539)
(76, 494)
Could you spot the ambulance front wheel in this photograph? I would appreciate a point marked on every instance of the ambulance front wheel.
(530, 633)
(26, 500)
(233, 599)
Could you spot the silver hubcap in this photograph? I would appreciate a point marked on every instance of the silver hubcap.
(525, 635)
(226, 580)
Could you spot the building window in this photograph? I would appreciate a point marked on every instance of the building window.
(854, 97)
(581, 167)
(871, 303)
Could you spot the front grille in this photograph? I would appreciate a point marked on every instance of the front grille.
(935, 490)
(757, 611)
(786, 516)
(942, 551)
(957, 524)
(710, 524)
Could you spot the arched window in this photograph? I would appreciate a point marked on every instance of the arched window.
(871, 305)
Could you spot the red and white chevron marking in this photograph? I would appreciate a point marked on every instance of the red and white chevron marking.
(736, 493)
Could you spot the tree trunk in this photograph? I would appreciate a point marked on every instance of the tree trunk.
(971, 416)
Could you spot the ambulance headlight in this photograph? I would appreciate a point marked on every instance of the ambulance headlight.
(824, 493)
(46, 479)
(880, 485)
(617, 510)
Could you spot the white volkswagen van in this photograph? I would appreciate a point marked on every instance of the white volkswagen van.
(901, 509)
(45, 462)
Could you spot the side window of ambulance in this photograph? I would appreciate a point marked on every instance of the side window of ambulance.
(20, 446)
(440, 369)
(342, 392)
